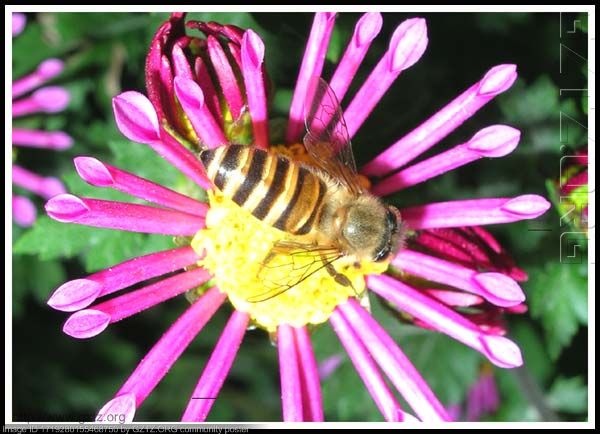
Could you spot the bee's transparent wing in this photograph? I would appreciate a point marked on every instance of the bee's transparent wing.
(290, 263)
(327, 139)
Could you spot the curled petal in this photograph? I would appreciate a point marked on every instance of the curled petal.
(494, 141)
(437, 127)
(56, 140)
(311, 67)
(24, 211)
(100, 174)
(475, 212)
(406, 47)
(136, 117)
(46, 71)
(124, 216)
(496, 288)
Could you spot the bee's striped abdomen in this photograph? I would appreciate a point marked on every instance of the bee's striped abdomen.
(275, 189)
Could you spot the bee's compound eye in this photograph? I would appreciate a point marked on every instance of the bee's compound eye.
(392, 218)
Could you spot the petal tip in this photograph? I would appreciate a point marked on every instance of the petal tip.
(527, 206)
(136, 117)
(408, 43)
(502, 351)
(66, 208)
(51, 99)
(86, 323)
(50, 68)
(498, 79)
(118, 410)
(495, 141)
(368, 27)
(93, 171)
(503, 290)
(75, 295)
(253, 49)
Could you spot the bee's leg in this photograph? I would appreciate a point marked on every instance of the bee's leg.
(338, 277)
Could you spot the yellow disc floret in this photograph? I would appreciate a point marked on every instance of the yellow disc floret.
(235, 245)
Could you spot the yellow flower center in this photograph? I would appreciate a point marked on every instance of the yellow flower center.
(236, 244)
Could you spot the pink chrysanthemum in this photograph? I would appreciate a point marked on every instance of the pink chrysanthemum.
(49, 99)
(196, 88)
(482, 398)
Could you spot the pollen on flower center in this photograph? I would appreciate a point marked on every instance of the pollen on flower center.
(236, 245)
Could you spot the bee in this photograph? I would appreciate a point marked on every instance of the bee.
(323, 204)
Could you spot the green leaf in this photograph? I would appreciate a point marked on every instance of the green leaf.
(558, 297)
(32, 276)
(569, 395)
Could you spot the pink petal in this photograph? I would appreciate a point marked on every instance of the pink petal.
(192, 101)
(56, 140)
(46, 187)
(496, 288)
(253, 52)
(80, 293)
(49, 99)
(118, 410)
(311, 67)
(393, 362)
(24, 211)
(437, 127)
(18, 23)
(217, 368)
(291, 390)
(226, 76)
(475, 212)
(366, 368)
(159, 360)
(46, 71)
(445, 320)
(90, 322)
(494, 141)
(211, 99)
(100, 174)
(124, 216)
(311, 387)
(136, 117)
(406, 47)
(365, 31)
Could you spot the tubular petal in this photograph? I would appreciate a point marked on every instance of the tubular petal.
(291, 390)
(216, 369)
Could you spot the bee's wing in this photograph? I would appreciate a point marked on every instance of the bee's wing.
(327, 139)
(292, 263)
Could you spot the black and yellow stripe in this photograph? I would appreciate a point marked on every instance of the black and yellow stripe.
(275, 189)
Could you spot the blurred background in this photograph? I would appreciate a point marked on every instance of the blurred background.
(57, 378)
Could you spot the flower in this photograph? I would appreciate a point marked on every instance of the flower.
(49, 99)
(482, 398)
(571, 192)
(451, 263)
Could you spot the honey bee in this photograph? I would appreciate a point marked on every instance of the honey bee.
(323, 203)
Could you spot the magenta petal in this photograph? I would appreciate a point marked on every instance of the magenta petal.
(46, 71)
(118, 410)
(311, 67)
(393, 362)
(407, 45)
(216, 369)
(18, 23)
(496, 288)
(475, 212)
(80, 293)
(192, 101)
(443, 319)
(366, 368)
(365, 31)
(493, 141)
(291, 391)
(159, 360)
(442, 123)
(45, 187)
(52, 99)
(74, 295)
(56, 140)
(99, 174)
(226, 76)
(124, 216)
(24, 211)
(136, 117)
(312, 403)
(253, 52)
(86, 323)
